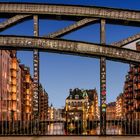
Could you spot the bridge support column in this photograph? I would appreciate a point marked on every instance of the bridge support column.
(36, 75)
(102, 82)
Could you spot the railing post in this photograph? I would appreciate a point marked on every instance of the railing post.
(36, 76)
(102, 82)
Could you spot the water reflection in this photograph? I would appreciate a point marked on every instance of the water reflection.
(71, 128)
(56, 129)
(74, 129)
(59, 129)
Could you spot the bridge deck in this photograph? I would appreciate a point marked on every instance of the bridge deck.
(72, 138)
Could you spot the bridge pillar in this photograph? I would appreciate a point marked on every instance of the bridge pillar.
(36, 76)
(102, 82)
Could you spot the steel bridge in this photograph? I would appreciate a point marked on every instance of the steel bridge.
(83, 16)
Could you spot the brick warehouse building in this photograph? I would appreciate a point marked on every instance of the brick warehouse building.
(131, 98)
(132, 91)
(26, 93)
(43, 103)
(16, 93)
(10, 75)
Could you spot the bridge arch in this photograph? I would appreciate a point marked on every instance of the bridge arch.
(70, 47)
(84, 15)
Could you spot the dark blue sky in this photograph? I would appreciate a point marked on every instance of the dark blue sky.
(59, 73)
(131, 4)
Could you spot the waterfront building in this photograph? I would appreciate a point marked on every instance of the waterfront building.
(26, 93)
(111, 111)
(119, 106)
(81, 108)
(43, 104)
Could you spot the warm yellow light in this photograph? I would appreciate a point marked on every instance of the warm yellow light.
(14, 97)
(28, 78)
(14, 81)
(14, 65)
(13, 88)
(27, 91)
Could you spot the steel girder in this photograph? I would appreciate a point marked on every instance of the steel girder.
(11, 21)
(70, 11)
(67, 46)
(127, 40)
(72, 27)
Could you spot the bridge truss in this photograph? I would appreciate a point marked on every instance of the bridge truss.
(83, 16)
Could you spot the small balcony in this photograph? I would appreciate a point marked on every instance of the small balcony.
(28, 103)
(28, 110)
(13, 82)
(137, 70)
(28, 98)
(137, 96)
(14, 108)
(130, 71)
(13, 73)
(13, 90)
(28, 92)
(131, 79)
(14, 97)
(27, 85)
(129, 97)
(137, 81)
(14, 64)
(137, 109)
(27, 78)
(130, 103)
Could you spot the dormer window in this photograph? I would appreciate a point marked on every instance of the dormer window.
(76, 96)
(70, 96)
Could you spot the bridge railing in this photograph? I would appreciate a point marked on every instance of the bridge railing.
(69, 127)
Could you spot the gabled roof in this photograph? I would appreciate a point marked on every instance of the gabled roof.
(82, 94)
(75, 92)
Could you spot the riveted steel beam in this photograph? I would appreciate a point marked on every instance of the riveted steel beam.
(126, 41)
(114, 14)
(36, 74)
(11, 21)
(102, 82)
(70, 47)
(72, 27)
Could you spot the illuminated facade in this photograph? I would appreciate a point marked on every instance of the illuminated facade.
(136, 96)
(111, 111)
(93, 111)
(128, 93)
(26, 93)
(5, 84)
(43, 103)
(10, 90)
(132, 91)
(136, 113)
(58, 114)
(77, 110)
(15, 88)
(119, 107)
(51, 112)
(81, 106)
